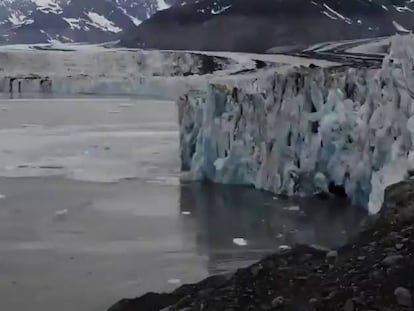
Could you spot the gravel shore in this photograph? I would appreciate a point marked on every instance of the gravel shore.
(374, 271)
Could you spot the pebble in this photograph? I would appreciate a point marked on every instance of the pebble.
(349, 305)
(313, 301)
(255, 270)
(403, 297)
(376, 275)
(331, 295)
(278, 302)
(392, 260)
(399, 246)
(332, 254)
(284, 248)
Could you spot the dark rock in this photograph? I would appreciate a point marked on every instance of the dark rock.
(313, 301)
(278, 302)
(399, 246)
(332, 254)
(148, 302)
(255, 270)
(376, 275)
(403, 297)
(205, 292)
(392, 260)
(349, 305)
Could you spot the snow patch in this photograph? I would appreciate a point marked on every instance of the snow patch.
(48, 6)
(400, 28)
(402, 9)
(73, 22)
(346, 19)
(102, 22)
(19, 19)
(162, 5)
(219, 11)
(135, 20)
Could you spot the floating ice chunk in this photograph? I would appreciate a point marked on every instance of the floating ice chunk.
(294, 208)
(240, 241)
(62, 214)
(29, 125)
(174, 281)
(2, 196)
(186, 213)
(125, 105)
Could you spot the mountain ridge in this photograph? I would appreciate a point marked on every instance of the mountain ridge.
(255, 26)
(92, 21)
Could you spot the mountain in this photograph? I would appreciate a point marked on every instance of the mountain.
(257, 25)
(34, 21)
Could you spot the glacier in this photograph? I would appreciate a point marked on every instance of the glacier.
(64, 69)
(302, 129)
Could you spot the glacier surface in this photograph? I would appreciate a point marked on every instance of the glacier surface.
(305, 129)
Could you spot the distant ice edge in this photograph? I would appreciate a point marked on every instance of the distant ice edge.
(298, 130)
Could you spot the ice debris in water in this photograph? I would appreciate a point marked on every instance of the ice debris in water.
(2, 196)
(240, 241)
(186, 213)
(62, 214)
(125, 105)
(174, 281)
(29, 125)
(302, 131)
(292, 208)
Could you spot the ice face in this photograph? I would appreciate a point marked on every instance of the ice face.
(303, 130)
(87, 69)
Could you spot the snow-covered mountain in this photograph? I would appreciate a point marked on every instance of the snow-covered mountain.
(33, 21)
(257, 25)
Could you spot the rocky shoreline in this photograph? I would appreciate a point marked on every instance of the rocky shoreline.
(374, 271)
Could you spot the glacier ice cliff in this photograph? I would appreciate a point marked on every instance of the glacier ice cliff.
(306, 129)
(93, 69)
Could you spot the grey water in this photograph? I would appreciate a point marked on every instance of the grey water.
(92, 209)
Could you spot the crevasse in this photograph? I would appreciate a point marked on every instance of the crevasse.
(303, 130)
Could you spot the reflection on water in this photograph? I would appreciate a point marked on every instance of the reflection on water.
(221, 214)
(123, 239)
